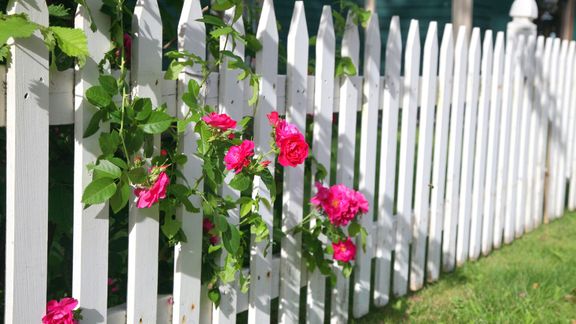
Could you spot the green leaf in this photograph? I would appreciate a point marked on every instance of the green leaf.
(180, 159)
(94, 123)
(98, 96)
(253, 43)
(72, 42)
(16, 26)
(268, 179)
(143, 108)
(246, 208)
(58, 11)
(106, 169)
(109, 84)
(157, 123)
(216, 33)
(231, 239)
(109, 142)
(138, 175)
(240, 182)
(345, 66)
(212, 20)
(354, 229)
(214, 296)
(171, 226)
(174, 69)
(99, 191)
(221, 5)
(221, 223)
(245, 121)
(120, 198)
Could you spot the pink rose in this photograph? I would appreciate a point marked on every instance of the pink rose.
(344, 251)
(238, 156)
(207, 225)
(163, 152)
(273, 118)
(340, 203)
(293, 150)
(285, 129)
(60, 312)
(214, 239)
(148, 197)
(220, 121)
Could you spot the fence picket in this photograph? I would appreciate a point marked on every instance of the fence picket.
(407, 149)
(543, 63)
(143, 223)
(504, 145)
(188, 255)
(528, 94)
(479, 179)
(468, 148)
(455, 151)
(530, 216)
(27, 172)
(90, 267)
(349, 102)
(261, 254)
(389, 139)
(424, 161)
(322, 135)
(230, 101)
(293, 193)
(571, 165)
(2, 95)
(489, 205)
(368, 142)
(445, 78)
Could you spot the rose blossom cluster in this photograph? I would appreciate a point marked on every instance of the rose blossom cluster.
(341, 204)
(146, 197)
(60, 312)
(207, 227)
(291, 144)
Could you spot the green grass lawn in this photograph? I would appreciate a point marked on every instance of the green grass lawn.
(533, 280)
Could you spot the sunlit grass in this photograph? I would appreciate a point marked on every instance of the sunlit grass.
(533, 280)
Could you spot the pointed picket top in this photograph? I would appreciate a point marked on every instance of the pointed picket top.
(146, 62)
(351, 41)
(191, 32)
(465, 205)
(406, 169)
(267, 28)
(385, 233)
(445, 80)
(424, 161)
(368, 141)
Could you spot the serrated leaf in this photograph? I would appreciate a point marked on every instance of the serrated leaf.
(16, 26)
(157, 123)
(109, 142)
(174, 69)
(99, 191)
(98, 96)
(216, 33)
(72, 42)
(268, 179)
(58, 11)
(120, 198)
(240, 182)
(171, 227)
(212, 20)
(231, 239)
(94, 123)
(106, 169)
(109, 84)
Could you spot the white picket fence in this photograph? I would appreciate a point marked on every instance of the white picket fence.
(477, 129)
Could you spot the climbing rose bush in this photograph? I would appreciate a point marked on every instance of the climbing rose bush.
(61, 312)
(290, 143)
(238, 156)
(340, 203)
(146, 197)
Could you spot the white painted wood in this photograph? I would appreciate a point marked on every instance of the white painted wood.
(188, 255)
(90, 267)
(368, 144)
(27, 172)
(62, 85)
(515, 138)
(542, 99)
(143, 223)
(553, 101)
(261, 253)
(468, 148)
(571, 164)
(527, 106)
(480, 155)
(293, 193)
(230, 101)
(438, 183)
(424, 162)
(455, 151)
(407, 149)
(389, 139)
(322, 136)
(349, 101)
(504, 145)
(117, 314)
(494, 131)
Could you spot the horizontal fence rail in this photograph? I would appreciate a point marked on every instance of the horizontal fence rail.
(464, 143)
